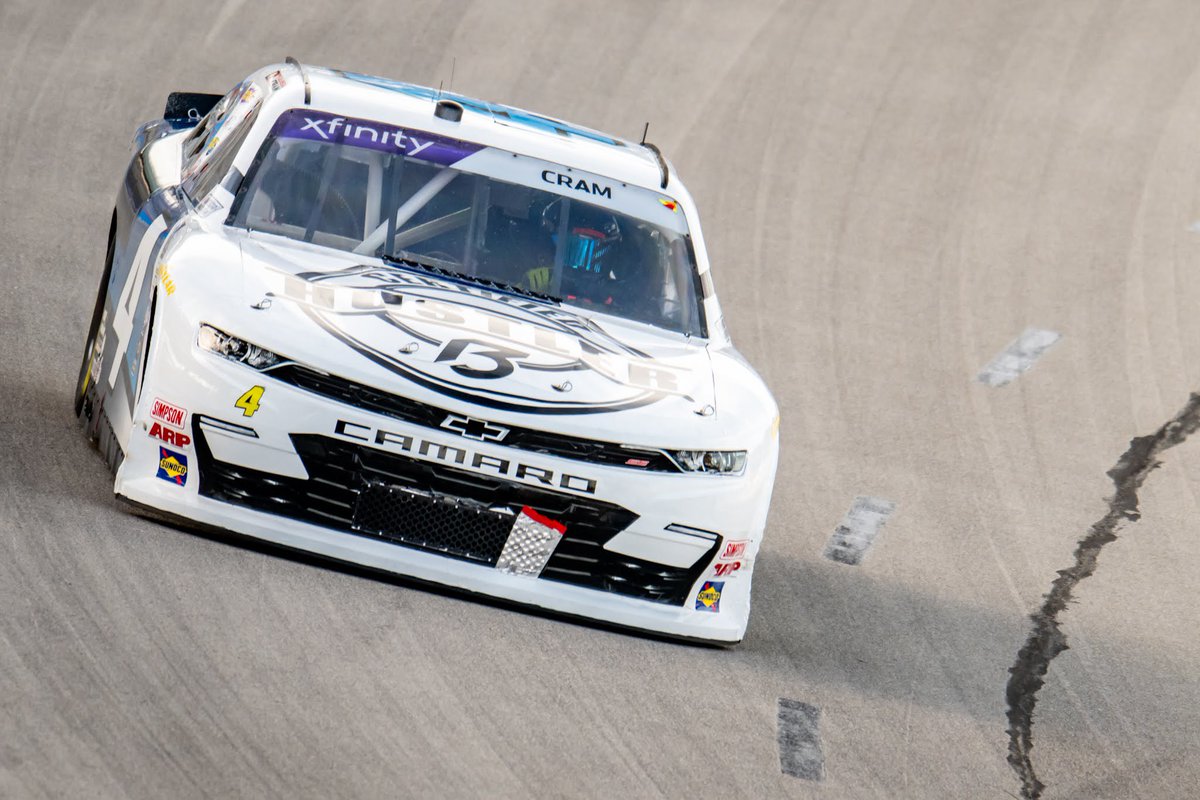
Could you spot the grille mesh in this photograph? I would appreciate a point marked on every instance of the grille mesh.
(439, 523)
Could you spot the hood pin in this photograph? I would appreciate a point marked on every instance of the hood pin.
(705, 411)
(565, 386)
(409, 348)
(262, 305)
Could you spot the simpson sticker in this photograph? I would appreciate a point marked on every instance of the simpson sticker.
(177, 438)
(734, 549)
(709, 596)
(170, 414)
(172, 466)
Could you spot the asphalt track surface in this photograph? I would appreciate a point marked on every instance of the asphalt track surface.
(892, 192)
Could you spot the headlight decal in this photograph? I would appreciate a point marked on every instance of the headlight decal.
(717, 462)
(235, 349)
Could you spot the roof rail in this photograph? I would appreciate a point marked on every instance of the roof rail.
(662, 162)
(304, 75)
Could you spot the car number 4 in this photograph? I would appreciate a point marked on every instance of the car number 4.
(250, 401)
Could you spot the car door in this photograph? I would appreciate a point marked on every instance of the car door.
(145, 218)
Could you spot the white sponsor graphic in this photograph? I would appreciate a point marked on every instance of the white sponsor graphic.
(473, 337)
(127, 301)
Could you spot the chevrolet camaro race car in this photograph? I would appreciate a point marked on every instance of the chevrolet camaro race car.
(434, 336)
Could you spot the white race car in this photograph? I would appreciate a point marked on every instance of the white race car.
(434, 336)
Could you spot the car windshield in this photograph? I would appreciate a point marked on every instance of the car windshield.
(325, 184)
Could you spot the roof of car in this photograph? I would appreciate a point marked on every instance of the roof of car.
(484, 122)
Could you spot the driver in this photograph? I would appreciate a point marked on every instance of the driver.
(591, 262)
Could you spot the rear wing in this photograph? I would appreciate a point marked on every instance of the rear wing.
(185, 109)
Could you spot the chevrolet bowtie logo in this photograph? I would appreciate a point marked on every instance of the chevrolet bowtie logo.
(475, 428)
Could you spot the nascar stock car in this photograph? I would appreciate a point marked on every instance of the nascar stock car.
(433, 336)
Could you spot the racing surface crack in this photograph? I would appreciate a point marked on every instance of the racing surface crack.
(1046, 639)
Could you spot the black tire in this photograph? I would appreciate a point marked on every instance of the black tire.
(82, 390)
(106, 443)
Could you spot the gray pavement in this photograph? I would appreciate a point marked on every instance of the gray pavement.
(893, 192)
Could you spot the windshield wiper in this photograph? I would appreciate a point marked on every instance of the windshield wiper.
(407, 260)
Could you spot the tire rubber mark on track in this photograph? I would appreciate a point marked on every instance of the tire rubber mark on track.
(799, 740)
(1019, 356)
(1046, 639)
(854, 536)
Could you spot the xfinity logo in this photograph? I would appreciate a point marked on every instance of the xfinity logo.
(401, 140)
(463, 458)
(475, 428)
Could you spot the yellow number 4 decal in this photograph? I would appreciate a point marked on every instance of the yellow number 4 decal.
(250, 401)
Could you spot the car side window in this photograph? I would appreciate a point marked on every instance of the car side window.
(210, 149)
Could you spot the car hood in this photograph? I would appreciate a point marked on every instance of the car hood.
(451, 343)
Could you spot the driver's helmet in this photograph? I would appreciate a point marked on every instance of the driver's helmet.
(590, 269)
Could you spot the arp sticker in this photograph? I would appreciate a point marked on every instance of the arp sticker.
(172, 466)
(177, 438)
(709, 596)
(170, 414)
(735, 549)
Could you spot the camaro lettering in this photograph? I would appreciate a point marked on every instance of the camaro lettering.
(580, 185)
(436, 451)
(440, 451)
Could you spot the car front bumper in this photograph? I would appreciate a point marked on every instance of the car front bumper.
(663, 552)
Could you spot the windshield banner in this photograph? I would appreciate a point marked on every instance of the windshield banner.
(319, 126)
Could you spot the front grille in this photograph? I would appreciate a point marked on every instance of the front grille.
(441, 509)
(368, 399)
(431, 522)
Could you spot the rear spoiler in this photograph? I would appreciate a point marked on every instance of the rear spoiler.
(185, 109)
